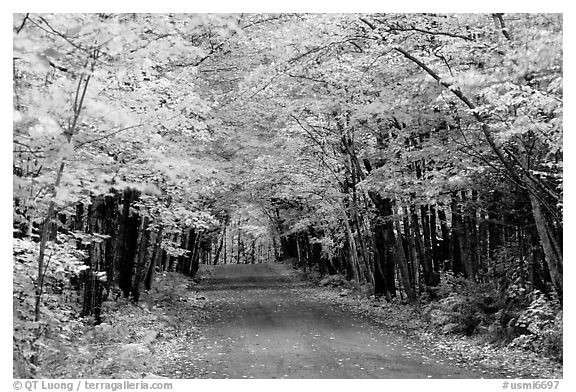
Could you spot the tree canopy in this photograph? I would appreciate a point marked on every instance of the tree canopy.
(390, 148)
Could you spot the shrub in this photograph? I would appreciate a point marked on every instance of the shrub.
(539, 327)
(552, 339)
(312, 276)
(335, 281)
(463, 307)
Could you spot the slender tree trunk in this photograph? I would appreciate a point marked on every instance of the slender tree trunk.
(379, 252)
(195, 255)
(446, 253)
(433, 278)
(354, 268)
(44, 235)
(403, 266)
(414, 265)
(156, 257)
(139, 265)
(220, 244)
(367, 270)
(253, 252)
(238, 244)
(552, 251)
(436, 258)
(277, 255)
(384, 246)
(483, 245)
(552, 254)
(419, 244)
(459, 261)
(225, 245)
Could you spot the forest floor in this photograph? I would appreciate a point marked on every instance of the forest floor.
(266, 321)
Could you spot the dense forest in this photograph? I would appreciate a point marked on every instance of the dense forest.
(415, 158)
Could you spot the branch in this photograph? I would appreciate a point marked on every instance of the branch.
(216, 48)
(488, 135)
(77, 106)
(270, 19)
(59, 67)
(78, 145)
(534, 179)
(308, 78)
(313, 50)
(417, 29)
(458, 93)
(307, 131)
(429, 32)
(59, 34)
(19, 29)
(441, 57)
(498, 20)
(368, 23)
(30, 150)
(322, 147)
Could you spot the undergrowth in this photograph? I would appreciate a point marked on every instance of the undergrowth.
(130, 342)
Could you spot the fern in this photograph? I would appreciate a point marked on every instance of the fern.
(146, 337)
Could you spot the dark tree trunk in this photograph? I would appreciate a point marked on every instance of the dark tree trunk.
(195, 254)
(411, 254)
(139, 264)
(367, 270)
(384, 246)
(225, 245)
(431, 277)
(127, 245)
(552, 251)
(403, 267)
(156, 257)
(253, 252)
(419, 244)
(457, 263)
(436, 252)
(220, 244)
(183, 265)
(446, 246)
(495, 232)
(384, 243)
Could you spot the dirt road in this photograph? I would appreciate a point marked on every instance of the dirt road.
(264, 323)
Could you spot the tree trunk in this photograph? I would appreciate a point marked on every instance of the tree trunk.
(354, 267)
(253, 252)
(412, 255)
(194, 260)
(403, 266)
(220, 244)
(445, 248)
(139, 268)
(552, 253)
(436, 253)
(458, 257)
(552, 250)
(419, 244)
(433, 279)
(238, 243)
(225, 245)
(367, 270)
(156, 256)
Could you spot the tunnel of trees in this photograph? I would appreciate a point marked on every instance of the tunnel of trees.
(403, 152)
